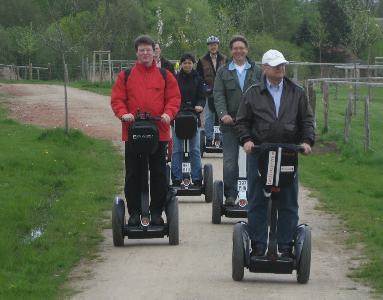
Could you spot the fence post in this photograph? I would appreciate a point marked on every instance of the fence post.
(326, 104)
(347, 118)
(49, 71)
(366, 124)
(312, 96)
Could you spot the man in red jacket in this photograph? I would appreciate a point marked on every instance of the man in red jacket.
(146, 90)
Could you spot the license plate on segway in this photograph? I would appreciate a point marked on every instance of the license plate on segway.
(217, 130)
(186, 168)
(242, 191)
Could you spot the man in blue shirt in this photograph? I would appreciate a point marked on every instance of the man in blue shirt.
(232, 80)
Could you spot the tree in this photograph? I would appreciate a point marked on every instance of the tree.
(25, 42)
(335, 22)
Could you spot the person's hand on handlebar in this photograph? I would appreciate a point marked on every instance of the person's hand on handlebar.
(307, 148)
(248, 146)
(227, 120)
(127, 118)
(198, 109)
(165, 118)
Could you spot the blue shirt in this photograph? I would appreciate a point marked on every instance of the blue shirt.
(241, 76)
(276, 92)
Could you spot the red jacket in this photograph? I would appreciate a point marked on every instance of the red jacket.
(146, 91)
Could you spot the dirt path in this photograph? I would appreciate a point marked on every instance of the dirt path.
(200, 267)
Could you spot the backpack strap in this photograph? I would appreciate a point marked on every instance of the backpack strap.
(162, 71)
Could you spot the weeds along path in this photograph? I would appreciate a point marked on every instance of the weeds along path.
(200, 267)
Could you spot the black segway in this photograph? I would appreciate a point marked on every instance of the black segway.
(277, 167)
(143, 137)
(239, 210)
(185, 127)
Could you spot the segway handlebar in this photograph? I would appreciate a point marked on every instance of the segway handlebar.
(266, 146)
(145, 116)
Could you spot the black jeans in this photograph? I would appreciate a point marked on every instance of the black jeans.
(158, 187)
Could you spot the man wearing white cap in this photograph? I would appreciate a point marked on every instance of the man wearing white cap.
(276, 110)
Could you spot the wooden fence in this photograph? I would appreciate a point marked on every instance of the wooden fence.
(351, 105)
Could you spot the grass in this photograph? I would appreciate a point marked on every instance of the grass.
(54, 190)
(349, 180)
(103, 88)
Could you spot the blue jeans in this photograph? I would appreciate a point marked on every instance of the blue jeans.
(230, 161)
(195, 157)
(287, 203)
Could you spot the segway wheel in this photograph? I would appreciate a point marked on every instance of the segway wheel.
(238, 255)
(216, 212)
(173, 223)
(304, 265)
(202, 141)
(208, 182)
(118, 222)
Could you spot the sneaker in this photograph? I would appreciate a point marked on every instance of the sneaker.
(156, 219)
(134, 219)
(287, 252)
(230, 201)
(197, 183)
(257, 249)
(176, 182)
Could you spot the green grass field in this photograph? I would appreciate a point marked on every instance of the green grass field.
(55, 189)
(349, 180)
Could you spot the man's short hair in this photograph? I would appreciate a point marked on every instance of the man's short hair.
(238, 38)
(186, 56)
(143, 40)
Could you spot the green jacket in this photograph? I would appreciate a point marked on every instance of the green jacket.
(227, 91)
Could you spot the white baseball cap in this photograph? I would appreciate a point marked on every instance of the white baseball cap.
(273, 58)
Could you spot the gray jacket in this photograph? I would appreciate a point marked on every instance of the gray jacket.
(257, 121)
(227, 91)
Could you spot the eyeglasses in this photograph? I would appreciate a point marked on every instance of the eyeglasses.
(143, 50)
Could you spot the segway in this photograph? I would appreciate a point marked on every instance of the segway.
(143, 138)
(216, 146)
(239, 210)
(277, 167)
(185, 127)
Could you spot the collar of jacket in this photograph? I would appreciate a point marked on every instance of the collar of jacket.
(232, 65)
(287, 83)
(208, 57)
(142, 68)
(183, 74)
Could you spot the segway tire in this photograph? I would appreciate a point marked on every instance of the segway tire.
(208, 182)
(118, 222)
(173, 221)
(238, 255)
(216, 212)
(304, 265)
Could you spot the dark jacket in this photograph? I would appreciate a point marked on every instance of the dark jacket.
(167, 64)
(257, 121)
(192, 91)
(227, 91)
(205, 68)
